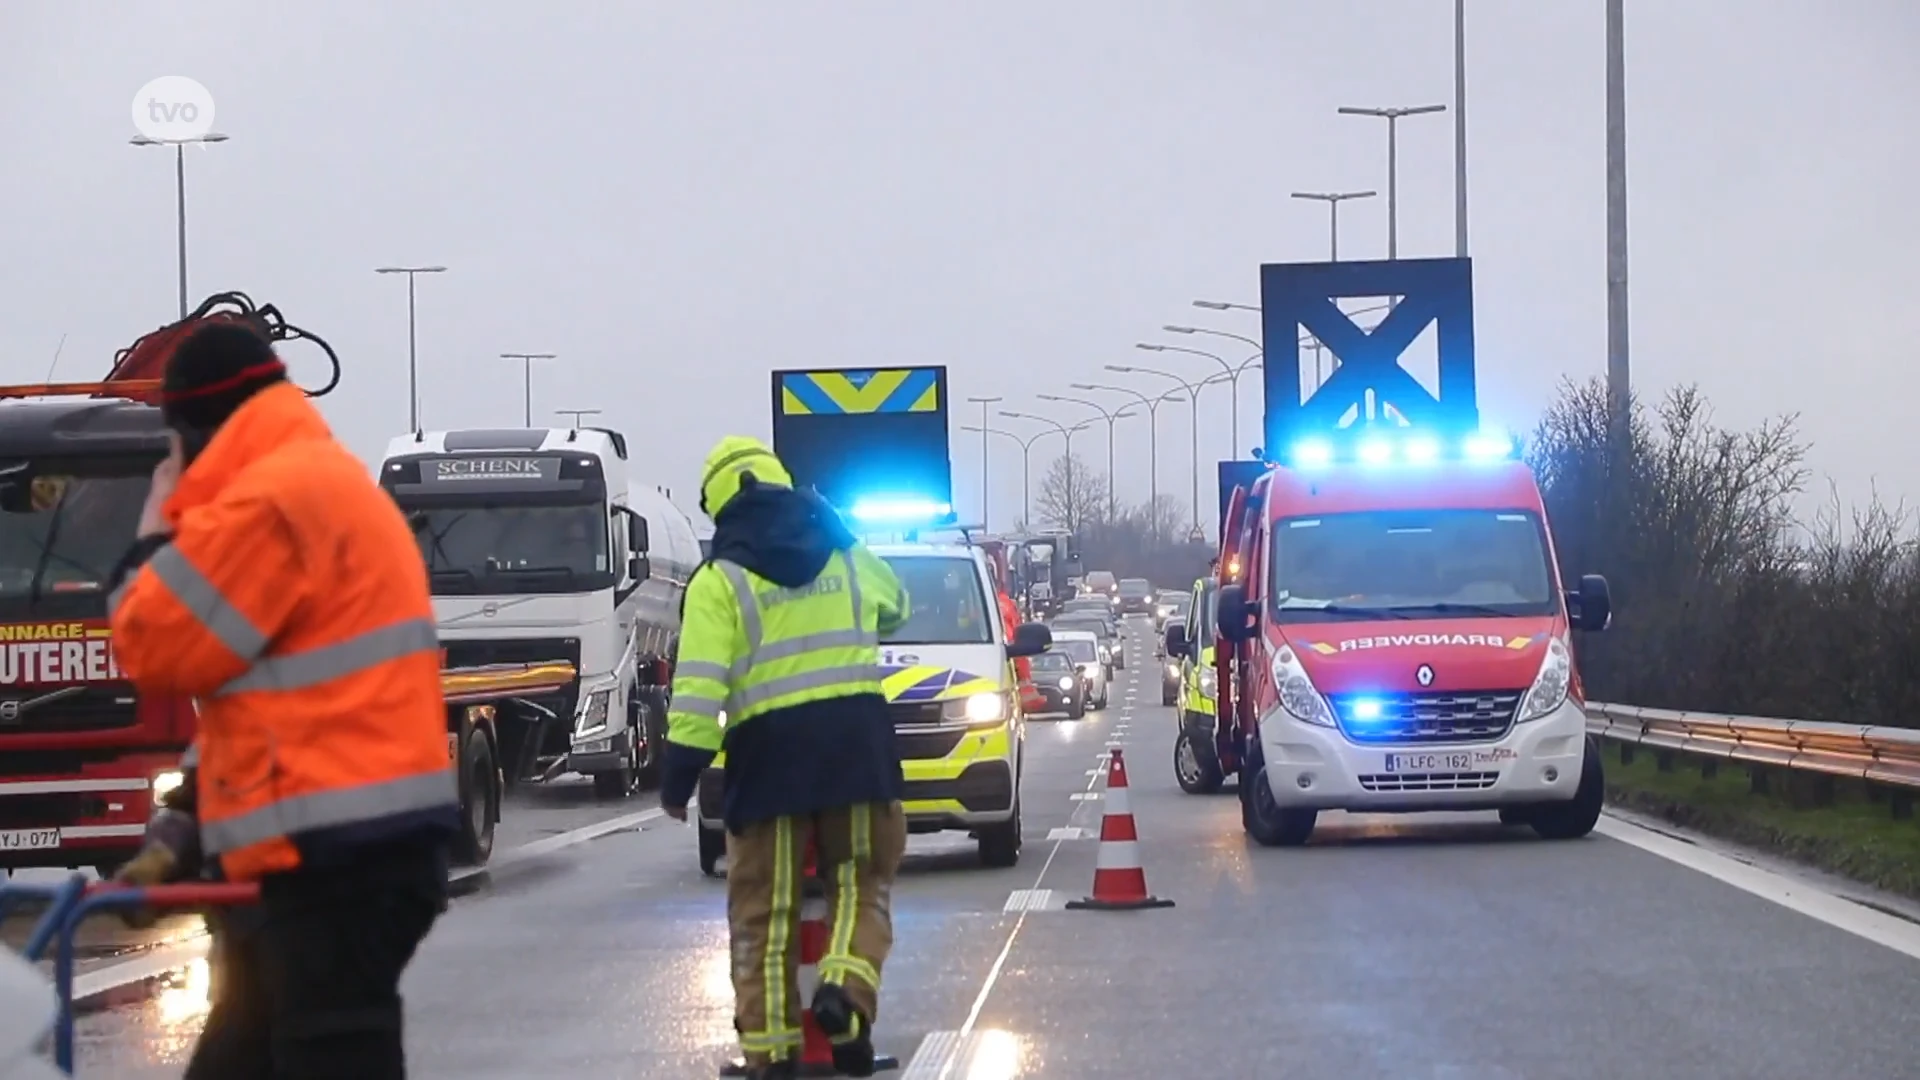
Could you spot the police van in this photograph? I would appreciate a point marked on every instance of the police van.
(953, 697)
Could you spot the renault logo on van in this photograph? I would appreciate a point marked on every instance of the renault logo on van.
(1424, 674)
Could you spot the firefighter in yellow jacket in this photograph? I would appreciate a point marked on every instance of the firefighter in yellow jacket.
(779, 666)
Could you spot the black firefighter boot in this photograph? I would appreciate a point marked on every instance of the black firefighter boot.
(846, 1027)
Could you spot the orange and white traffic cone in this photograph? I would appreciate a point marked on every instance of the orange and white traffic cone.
(1119, 881)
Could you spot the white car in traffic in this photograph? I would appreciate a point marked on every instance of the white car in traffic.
(1085, 648)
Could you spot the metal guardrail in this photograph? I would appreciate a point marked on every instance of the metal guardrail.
(1876, 755)
(493, 682)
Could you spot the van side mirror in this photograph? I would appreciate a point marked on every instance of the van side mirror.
(636, 531)
(1177, 642)
(1030, 639)
(1591, 605)
(1238, 619)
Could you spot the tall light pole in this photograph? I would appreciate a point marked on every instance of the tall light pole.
(1460, 128)
(1153, 445)
(1066, 433)
(1333, 199)
(1193, 396)
(528, 358)
(413, 360)
(180, 192)
(1110, 418)
(577, 414)
(1392, 117)
(983, 402)
(1225, 305)
(1233, 372)
(1026, 452)
(1617, 341)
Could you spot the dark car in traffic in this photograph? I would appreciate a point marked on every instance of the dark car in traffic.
(1063, 686)
(1136, 596)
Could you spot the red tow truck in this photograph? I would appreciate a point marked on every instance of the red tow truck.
(82, 756)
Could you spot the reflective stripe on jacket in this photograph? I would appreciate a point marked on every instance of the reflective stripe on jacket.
(292, 604)
(749, 647)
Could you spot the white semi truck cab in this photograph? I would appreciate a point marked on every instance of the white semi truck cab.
(540, 547)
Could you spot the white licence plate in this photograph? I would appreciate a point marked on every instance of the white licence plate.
(1445, 761)
(29, 839)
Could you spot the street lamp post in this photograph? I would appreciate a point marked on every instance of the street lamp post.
(983, 402)
(1110, 418)
(577, 414)
(413, 365)
(1392, 117)
(528, 359)
(1153, 446)
(1193, 396)
(1026, 454)
(1333, 199)
(180, 192)
(1224, 305)
(1066, 433)
(1232, 373)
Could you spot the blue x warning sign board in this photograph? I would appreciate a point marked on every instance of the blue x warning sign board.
(1297, 297)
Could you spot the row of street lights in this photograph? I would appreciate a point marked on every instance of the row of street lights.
(412, 272)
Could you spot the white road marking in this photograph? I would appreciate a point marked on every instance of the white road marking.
(171, 957)
(1084, 796)
(1836, 911)
(1069, 832)
(1035, 900)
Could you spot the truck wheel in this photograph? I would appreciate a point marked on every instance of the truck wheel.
(479, 800)
(652, 721)
(1197, 767)
(713, 846)
(1000, 844)
(1577, 816)
(1266, 821)
(624, 781)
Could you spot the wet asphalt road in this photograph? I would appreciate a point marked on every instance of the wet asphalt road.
(1392, 947)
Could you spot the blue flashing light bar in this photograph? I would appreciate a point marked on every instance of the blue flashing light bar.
(901, 510)
(1403, 448)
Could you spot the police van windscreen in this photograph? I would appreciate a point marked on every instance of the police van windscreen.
(507, 549)
(1410, 564)
(61, 533)
(947, 604)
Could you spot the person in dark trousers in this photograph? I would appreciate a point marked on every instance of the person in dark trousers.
(278, 587)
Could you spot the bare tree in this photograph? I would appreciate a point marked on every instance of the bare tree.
(1072, 496)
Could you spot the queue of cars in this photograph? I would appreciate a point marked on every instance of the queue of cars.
(1075, 676)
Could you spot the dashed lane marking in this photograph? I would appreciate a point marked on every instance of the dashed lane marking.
(160, 961)
(1069, 832)
(1084, 796)
(1035, 900)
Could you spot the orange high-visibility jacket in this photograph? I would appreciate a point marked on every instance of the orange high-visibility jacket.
(292, 604)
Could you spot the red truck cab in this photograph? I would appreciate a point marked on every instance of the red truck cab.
(1401, 641)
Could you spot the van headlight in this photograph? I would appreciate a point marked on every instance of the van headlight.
(989, 709)
(1066, 682)
(1298, 695)
(1209, 681)
(1550, 687)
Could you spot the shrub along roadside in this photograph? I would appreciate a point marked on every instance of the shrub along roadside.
(1854, 834)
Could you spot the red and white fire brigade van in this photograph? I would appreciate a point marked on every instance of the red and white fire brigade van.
(1400, 639)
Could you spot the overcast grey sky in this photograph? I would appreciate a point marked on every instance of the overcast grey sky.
(677, 198)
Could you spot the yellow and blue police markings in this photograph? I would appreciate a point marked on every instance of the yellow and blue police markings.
(1197, 699)
(841, 393)
(914, 684)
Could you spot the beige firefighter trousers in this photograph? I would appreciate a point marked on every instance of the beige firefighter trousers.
(857, 855)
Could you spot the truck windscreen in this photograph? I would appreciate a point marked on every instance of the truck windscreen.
(1410, 564)
(61, 535)
(947, 605)
(506, 549)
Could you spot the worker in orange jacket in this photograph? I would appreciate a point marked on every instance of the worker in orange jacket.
(276, 585)
(1030, 697)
